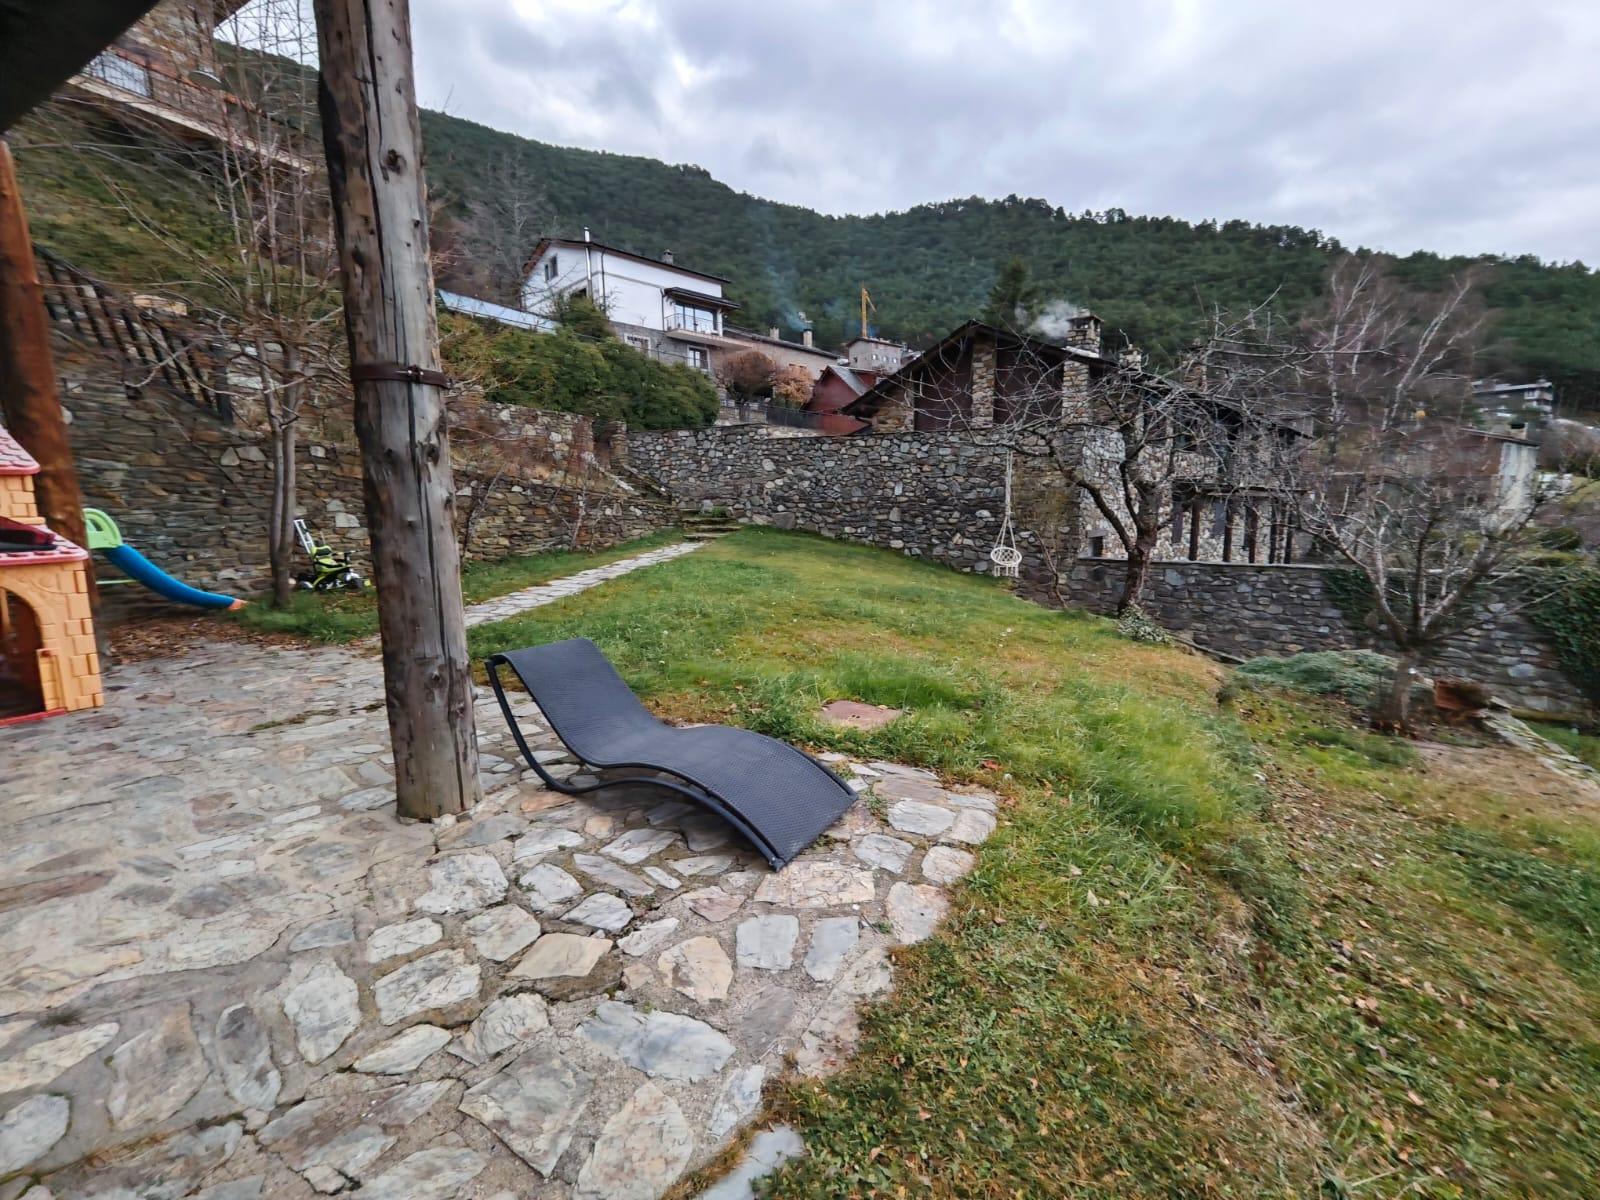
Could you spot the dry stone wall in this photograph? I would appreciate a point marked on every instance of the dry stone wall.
(193, 494)
(1247, 611)
(939, 496)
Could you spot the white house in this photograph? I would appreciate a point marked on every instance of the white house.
(665, 310)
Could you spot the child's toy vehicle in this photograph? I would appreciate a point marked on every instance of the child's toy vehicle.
(330, 570)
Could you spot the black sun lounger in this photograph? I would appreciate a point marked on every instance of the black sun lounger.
(776, 796)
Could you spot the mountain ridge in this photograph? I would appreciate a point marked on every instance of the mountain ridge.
(929, 267)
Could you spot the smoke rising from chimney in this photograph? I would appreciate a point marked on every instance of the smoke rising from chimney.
(1055, 319)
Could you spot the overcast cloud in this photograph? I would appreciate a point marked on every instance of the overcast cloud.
(1462, 126)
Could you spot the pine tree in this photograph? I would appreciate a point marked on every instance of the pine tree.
(1013, 296)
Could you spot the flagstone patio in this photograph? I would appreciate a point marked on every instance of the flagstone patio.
(228, 971)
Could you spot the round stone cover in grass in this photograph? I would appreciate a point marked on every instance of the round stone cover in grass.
(855, 715)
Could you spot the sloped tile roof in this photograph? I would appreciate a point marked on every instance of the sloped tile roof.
(14, 460)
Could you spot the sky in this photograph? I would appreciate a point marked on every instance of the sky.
(1470, 126)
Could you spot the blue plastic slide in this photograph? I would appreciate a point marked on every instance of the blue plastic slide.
(105, 537)
(130, 562)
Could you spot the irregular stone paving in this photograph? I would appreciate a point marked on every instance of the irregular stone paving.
(510, 605)
(228, 971)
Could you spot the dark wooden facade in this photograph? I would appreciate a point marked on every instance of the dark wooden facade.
(979, 376)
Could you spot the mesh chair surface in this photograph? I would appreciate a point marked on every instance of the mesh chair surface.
(778, 797)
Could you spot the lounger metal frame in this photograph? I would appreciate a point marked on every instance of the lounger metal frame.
(691, 789)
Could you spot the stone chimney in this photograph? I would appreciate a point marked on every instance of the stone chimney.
(805, 338)
(983, 380)
(1084, 333)
(772, 332)
(666, 257)
(1196, 370)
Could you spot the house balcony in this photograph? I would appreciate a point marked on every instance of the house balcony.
(695, 328)
(188, 108)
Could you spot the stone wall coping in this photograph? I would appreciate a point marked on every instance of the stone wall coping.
(1190, 562)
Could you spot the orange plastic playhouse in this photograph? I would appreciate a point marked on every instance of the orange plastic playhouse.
(48, 663)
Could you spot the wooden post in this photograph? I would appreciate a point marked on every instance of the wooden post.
(29, 402)
(374, 150)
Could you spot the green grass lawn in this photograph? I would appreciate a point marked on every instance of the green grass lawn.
(333, 618)
(1238, 948)
(1585, 746)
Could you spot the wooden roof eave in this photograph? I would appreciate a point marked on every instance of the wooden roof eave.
(44, 43)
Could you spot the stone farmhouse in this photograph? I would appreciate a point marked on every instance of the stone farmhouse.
(981, 377)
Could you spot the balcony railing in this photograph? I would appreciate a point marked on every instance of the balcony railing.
(705, 323)
(756, 413)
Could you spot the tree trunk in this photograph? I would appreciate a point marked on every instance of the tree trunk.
(1394, 708)
(280, 531)
(283, 415)
(29, 402)
(369, 121)
(1137, 576)
(581, 510)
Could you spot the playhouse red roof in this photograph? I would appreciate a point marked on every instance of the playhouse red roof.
(62, 552)
(14, 460)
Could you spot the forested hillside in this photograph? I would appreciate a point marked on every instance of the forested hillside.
(928, 268)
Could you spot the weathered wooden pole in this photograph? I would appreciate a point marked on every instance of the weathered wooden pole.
(374, 149)
(29, 402)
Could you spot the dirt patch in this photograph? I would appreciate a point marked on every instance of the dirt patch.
(1511, 773)
(169, 636)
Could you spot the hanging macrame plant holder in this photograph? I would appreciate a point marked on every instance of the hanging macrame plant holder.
(1005, 556)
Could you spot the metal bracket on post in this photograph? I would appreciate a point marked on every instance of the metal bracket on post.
(392, 372)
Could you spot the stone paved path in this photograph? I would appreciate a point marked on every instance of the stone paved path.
(510, 605)
(228, 971)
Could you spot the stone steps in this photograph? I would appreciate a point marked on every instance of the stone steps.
(703, 527)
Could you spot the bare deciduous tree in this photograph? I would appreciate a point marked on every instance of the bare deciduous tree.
(261, 275)
(1433, 513)
(1571, 446)
(491, 240)
(1160, 446)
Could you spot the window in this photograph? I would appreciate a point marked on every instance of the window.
(641, 344)
(550, 267)
(1097, 546)
(695, 356)
(125, 73)
(688, 316)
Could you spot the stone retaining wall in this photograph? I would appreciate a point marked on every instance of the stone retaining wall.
(1247, 611)
(193, 494)
(929, 495)
(941, 495)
